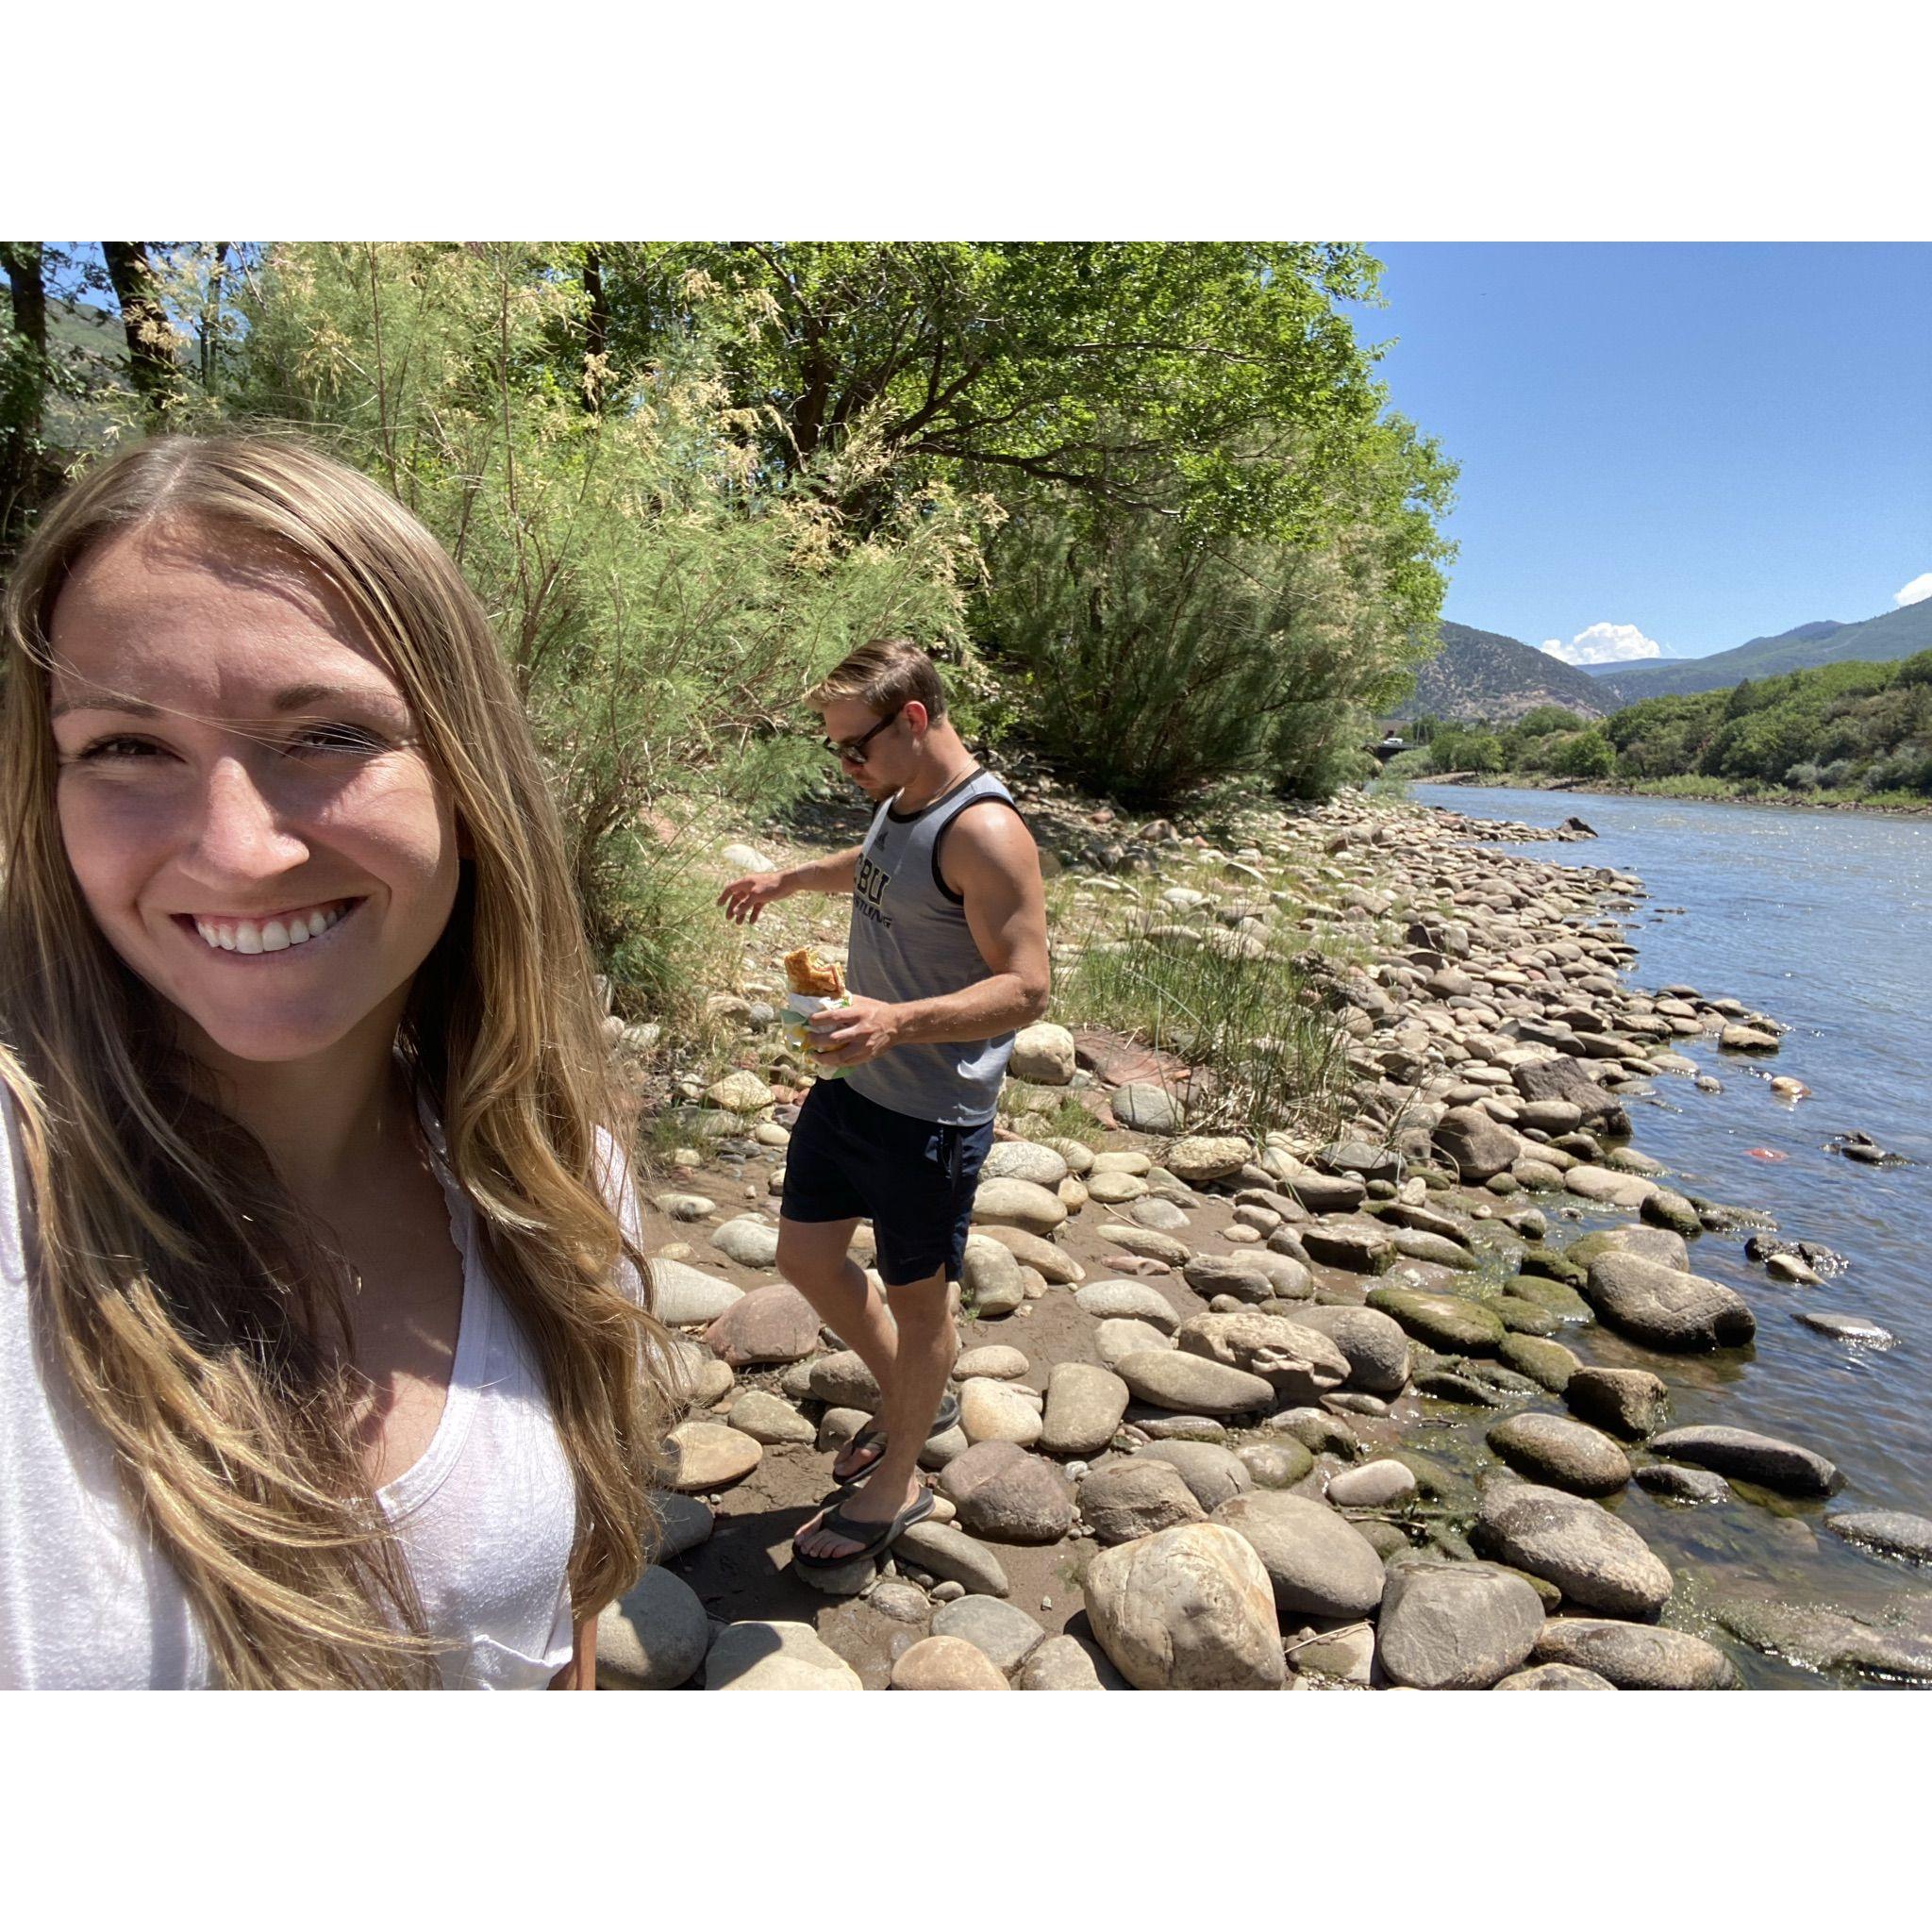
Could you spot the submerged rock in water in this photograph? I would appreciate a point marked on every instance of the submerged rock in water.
(1897, 1643)
(1748, 1456)
(1637, 1657)
(1887, 1532)
(1597, 1561)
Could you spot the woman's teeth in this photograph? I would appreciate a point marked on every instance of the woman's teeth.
(271, 934)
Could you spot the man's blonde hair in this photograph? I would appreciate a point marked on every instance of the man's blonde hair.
(882, 676)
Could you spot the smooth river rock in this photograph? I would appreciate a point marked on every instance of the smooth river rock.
(946, 1663)
(757, 1655)
(1747, 1456)
(1133, 1301)
(1192, 1385)
(1018, 1204)
(774, 1324)
(1455, 1626)
(1637, 1657)
(682, 1295)
(1597, 1561)
(654, 1636)
(1373, 1345)
(1002, 1631)
(1300, 1364)
(1319, 1563)
(710, 1455)
(1189, 1609)
(1443, 1320)
(1665, 1307)
(1135, 1496)
(1211, 1473)
(1554, 1677)
(1084, 1408)
(1886, 1532)
(1559, 1450)
(1632, 1403)
(1006, 1496)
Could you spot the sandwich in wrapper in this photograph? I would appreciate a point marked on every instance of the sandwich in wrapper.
(814, 987)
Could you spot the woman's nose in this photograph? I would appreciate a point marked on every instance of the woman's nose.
(243, 833)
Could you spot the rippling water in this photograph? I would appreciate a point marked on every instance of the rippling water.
(1822, 920)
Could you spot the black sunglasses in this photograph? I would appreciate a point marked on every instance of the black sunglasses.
(854, 754)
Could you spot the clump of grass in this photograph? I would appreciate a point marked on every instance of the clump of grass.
(1247, 1015)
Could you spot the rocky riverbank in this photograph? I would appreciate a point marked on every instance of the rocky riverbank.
(1353, 1408)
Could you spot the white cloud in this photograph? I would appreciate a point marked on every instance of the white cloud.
(1917, 590)
(1604, 643)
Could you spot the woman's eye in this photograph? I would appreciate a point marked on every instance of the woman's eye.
(104, 749)
(338, 738)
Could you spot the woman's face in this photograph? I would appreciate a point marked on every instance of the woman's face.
(242, 794)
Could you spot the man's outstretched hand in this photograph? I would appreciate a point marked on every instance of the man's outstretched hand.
(744, 899)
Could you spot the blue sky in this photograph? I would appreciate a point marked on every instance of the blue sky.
(1704, 443)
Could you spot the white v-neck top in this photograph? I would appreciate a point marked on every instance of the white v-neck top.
(486, 1517)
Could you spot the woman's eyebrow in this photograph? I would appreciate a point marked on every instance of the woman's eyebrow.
(297, 697)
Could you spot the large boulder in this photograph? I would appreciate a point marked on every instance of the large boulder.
(1474, 1144)
(1187, 1608)
(1458, 1627)
(1598, 1562)
(1300, 1364)
(1666, 1308)
(1319, 1563)
(1747, 1456)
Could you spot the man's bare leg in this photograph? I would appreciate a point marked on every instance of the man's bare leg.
(812, 1257)
(926, 1347)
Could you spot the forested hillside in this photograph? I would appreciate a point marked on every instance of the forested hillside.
(1842, 732)
(1483, 674)
(1894, 634)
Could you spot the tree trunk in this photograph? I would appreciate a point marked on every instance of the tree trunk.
(150, 338)
(597, 330)
(22, 465)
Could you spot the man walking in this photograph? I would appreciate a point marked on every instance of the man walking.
(947, 958)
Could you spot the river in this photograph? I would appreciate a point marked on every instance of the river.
(1822, 920)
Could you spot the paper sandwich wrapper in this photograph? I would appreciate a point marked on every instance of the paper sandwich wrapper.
(799, 1007)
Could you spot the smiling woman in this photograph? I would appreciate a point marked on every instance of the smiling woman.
(322, 1358)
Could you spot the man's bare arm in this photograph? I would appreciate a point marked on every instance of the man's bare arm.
(991, 863)
(743, 899)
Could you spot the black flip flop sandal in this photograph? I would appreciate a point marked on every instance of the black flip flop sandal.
(874, 1539)
(948, 1417)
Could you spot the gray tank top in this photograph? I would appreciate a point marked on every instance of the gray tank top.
(910, 942)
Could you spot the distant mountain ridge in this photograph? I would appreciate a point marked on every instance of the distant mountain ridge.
(1901, 633)
(1482, 674)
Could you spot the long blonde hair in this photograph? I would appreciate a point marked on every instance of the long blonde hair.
(173, 1281)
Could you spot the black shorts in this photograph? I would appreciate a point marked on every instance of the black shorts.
(850, 1159)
